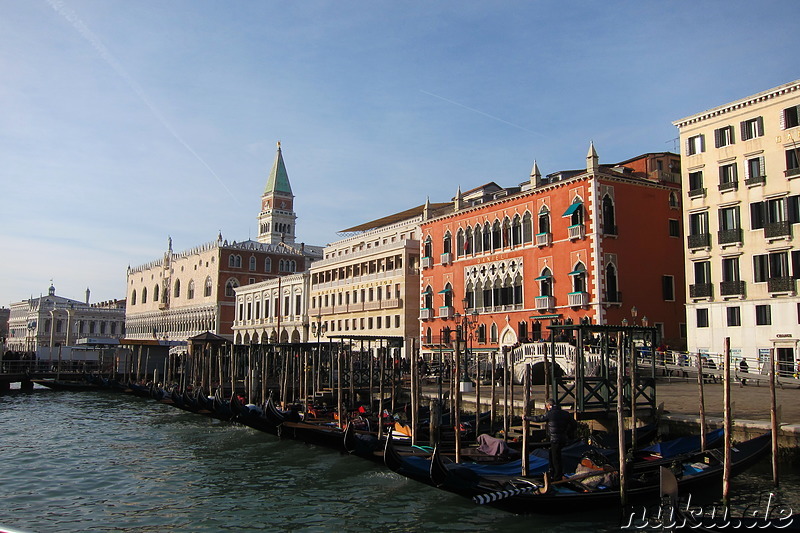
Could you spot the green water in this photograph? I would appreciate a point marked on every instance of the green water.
(104, 461)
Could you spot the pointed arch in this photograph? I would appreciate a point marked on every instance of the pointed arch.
(447, 243)
(612, 290)
(231, 284)
(609, 221)
(209, 287)
(428, 247)
(460, 243)
(190, 290)
(578, 277)
(516, 230)
(497, 235)
(133, 297)
(176, 290)
(545, 282)
(544, 220)
(478, 232)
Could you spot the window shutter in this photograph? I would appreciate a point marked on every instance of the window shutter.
(761, 170)
(734, 172)
(702, 143)
(757, 215)
(743, 130)
(732, 132)
(760, 126)
(783, 119)
(717, 138)
(688, 147)
(747, 175)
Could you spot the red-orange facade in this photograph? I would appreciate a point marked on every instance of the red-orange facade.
(588, 245)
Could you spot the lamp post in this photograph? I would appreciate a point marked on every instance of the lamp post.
(464, 325)
(634, 314)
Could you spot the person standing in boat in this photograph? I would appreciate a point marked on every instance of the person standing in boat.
(560, 424)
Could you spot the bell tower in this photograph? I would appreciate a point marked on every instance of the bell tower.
(276, 222)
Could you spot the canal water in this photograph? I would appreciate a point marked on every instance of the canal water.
(103, 461)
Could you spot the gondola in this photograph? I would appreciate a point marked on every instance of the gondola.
(526, 495)
(253, 416)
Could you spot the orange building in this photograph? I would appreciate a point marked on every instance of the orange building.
(601, 245)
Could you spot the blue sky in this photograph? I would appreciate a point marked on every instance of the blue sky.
(124, 123)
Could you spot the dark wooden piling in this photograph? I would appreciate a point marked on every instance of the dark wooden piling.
(773, 416)
(702, 402)
(726, 421)
(525, 423)
(623, 480)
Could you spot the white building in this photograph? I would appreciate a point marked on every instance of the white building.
(741, 197)
(44, 324)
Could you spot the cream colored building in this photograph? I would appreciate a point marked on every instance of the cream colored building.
(273, 311)
(44, 324)
(367, 284)
(741, 196)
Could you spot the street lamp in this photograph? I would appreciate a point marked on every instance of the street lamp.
(468, 322)
(634, 313)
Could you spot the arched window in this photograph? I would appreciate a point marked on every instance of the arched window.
(428, 336)
(427, 298)
(232, 261)
(294, 266)
(544, 220)
(190, 290)
(155, 293)
(576, 218)
(518, 289)
(482, 333)
(527, 228)
(208, 287)
(494, 333)
(516, 231)
(252, 263)
(507, 233)
(448, 295)
(133, 297)
(230, 285)
(612, 292)
(546, 282)
(281, 266)
(144, 295)
(268, 264)
(487, 237)
(176, 291)
(238, 261)
(468, 241)
(478, 239)
(428, 247)
(497, 238)
(578, 277)
(447, 245)
(673, 199)
(460, 248)
(609, 224)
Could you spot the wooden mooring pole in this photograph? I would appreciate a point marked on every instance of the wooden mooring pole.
(726, 401)
(623, 480)
(773, 415)
(525, 423)
(702, 403)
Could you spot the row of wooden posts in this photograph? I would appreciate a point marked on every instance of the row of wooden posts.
(322, 366)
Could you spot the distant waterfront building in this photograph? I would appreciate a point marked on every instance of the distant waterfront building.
(599, 245)
(48, 322)
(187, 293)
(5, 313)
(741, 196)
(275, 310)
(368, 282)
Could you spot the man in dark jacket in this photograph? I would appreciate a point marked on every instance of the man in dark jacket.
(560, 425)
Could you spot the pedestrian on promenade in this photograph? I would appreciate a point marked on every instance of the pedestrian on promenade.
(560, 425)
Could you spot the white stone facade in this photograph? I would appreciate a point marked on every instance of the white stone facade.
(741, 196)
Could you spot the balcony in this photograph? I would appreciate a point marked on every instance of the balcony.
(446, 311)
(701, 240)
(728, 186)
(544, 239)
(613, 297)
(426, 262)
(578, 231)
(729, 236)
(578, 299)
(697, 193)
(545, 302)
(732, 288)
(785, 284)
(391, 303)
(425, 314)
(447, 258)
(774, 230)
(755, 180)
(789, 172)
(701, 290)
